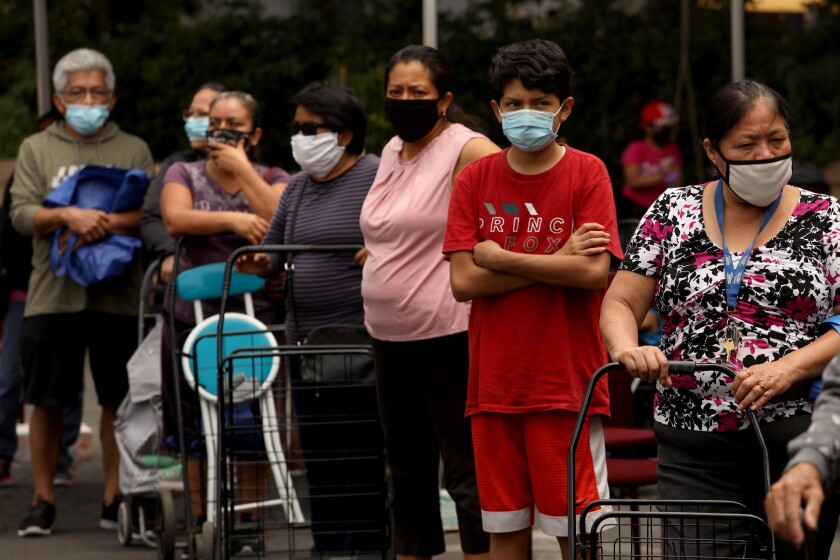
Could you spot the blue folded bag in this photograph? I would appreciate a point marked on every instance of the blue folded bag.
(111, 190)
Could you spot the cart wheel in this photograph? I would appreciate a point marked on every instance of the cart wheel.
(125, 522)
(198, 551)
(208, 541)
(166, 520)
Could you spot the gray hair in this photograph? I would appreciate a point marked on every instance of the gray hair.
(82, 60)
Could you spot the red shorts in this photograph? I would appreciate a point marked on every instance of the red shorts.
(520, 462)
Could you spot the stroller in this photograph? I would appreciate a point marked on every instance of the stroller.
(143, 471)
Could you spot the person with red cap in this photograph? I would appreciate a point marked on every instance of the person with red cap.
(653, 163)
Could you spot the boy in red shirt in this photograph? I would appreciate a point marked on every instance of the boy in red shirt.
(534, 337)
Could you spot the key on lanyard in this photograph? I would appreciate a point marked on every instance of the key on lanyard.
(732, 341)
(734, 272)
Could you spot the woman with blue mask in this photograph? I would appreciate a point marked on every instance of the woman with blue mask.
(744, 270)
(157, 241)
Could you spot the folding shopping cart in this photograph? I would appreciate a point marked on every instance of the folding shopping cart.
(144, 472)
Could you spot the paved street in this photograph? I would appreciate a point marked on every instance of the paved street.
(77, 535)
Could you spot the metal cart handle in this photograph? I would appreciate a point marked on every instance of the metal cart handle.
(675, 366)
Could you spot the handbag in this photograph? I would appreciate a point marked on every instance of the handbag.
(109, 189)
(342, 367)
(349, 368)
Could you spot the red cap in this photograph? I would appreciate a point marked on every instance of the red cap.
(658, 113)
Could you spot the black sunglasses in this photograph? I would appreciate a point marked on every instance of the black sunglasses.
(308, 129)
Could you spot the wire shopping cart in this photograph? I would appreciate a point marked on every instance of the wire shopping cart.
(350, 471)
(613, 529)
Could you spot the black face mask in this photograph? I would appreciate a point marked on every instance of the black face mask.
(412, 119)
(231, 138)
(661, 137)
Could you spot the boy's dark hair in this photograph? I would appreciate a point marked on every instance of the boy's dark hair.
(730, 103)
(442, 78)
(339, 107)
(539, 64)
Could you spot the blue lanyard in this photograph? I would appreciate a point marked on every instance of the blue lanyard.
(734, 273)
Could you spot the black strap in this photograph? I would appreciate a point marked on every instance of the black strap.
(290, 256)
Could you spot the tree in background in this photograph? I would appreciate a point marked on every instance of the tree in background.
(163, 49)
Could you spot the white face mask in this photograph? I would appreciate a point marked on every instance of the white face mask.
(317, 155)
(759, 181)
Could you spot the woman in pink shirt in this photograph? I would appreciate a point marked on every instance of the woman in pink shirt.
(653, 163)
(419, 330)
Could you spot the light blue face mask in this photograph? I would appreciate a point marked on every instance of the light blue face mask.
(529, 130)
(196, 128)
(86, 119)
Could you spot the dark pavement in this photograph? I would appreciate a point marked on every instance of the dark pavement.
(76, 533)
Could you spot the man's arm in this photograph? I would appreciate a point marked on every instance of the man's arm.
(557, 269)
(820, 445)
(799, 486)
(812, 470)
(89, 224)
(28, 191)
(30, 217)
(469, 281)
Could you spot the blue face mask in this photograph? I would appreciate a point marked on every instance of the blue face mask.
(529, 130)
(86, 119)
(196, 128)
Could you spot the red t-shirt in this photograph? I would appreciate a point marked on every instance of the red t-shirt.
(533, 349)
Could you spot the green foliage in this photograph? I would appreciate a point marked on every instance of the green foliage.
(163, 49)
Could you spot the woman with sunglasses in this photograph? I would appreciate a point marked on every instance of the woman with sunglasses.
(321, 206)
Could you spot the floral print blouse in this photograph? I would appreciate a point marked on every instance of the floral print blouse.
(790, 286)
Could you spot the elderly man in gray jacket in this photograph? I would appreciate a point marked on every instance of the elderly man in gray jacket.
(63, 319)
(812, 471)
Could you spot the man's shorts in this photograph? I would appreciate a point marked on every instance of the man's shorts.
(520, 462)
(52, 353)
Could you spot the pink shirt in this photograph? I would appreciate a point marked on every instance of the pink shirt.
(405, 280)
(650, 161)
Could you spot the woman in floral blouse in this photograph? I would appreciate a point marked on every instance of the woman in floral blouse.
(745, 271)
